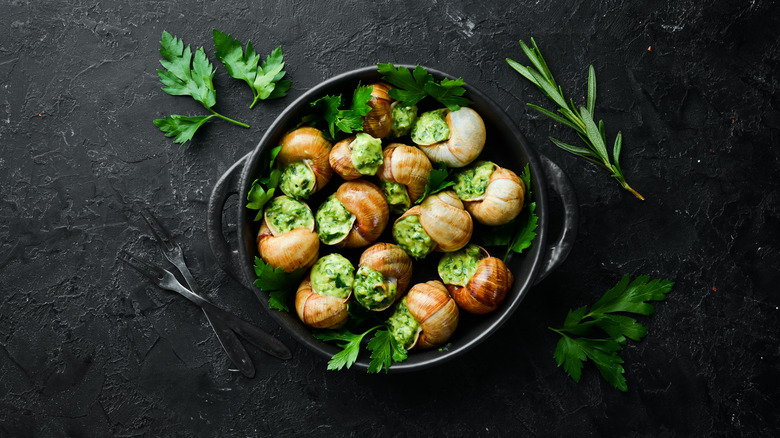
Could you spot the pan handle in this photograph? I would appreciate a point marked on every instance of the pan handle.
(560, 249)
(227, 257)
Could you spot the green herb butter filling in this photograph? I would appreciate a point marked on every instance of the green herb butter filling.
(410, 236)
(431, 127)
(297, 180)
(284, 214)
(458, 267)
(403, 326)
(397, 196)
(334, 221)
(372, 291)
(403, 120)
(333, 275)
(471, 183)
(366, 154)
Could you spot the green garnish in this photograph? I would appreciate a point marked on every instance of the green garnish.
(263, 188)
(577, 343)
(264, 80)
(349, 120)
(385, 350)
(581, 120)
(350, 346)
(279, 284)
(438, 180)
(410, 87)
(517, 234)
(185, 75)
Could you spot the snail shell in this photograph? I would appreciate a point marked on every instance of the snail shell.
(486, 289)
(392, 262)
(432, 306)
(341, 159)
(367, 203)
(406, 165)
(467, 138)
(298, 248)
(443, 217)
(320, 311)
(307, 144)
(379, 121)
(502, 201)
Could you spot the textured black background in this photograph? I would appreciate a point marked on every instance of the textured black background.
(90, 349)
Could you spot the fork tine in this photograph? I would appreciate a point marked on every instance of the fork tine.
(159, 232)
(150, 271)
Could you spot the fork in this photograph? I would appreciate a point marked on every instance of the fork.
(173, 252)
(166, 280)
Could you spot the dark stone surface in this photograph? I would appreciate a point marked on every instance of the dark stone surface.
(90, 349)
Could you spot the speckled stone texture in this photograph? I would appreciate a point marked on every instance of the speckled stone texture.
(88, 348)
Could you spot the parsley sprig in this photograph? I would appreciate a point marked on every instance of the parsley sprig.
(410, 87)
(438, 180)
(277, 283)
(517, 234)
(579, 119)
(579, 343)
(347, 120)
(385, 350)
(263, 188)
(187, 75)
(264, 79)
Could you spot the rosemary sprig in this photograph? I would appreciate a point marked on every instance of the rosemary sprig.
(581, 120)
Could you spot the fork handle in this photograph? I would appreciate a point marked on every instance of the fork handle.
(257, 337)
(231, 344)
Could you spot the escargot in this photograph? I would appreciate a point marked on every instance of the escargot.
(440, 222)
(477, 282)
(383, 275)
(425, 318)
(321, 299)
(286, 238)
(356, 156)
(354, 216)
(379, 121)
(455, 138)
(403, 175)
(492, 194)
(303, 159)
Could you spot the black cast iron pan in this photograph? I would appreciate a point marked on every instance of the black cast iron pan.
(505, 145)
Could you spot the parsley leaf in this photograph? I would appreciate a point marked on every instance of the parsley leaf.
(412, 87)
(277, 283)
(408, 87)
(263, 188)
(264, 80)
(577, 344)
(350, 346)
(385, 350)
(182, 80)
(448, 92)
(181, 127)
(437, 181)
(526, 232)
(187, 75)
(327, 108)
(358, 315)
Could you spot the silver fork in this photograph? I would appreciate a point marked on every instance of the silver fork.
(227, 338)
(166, 280)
